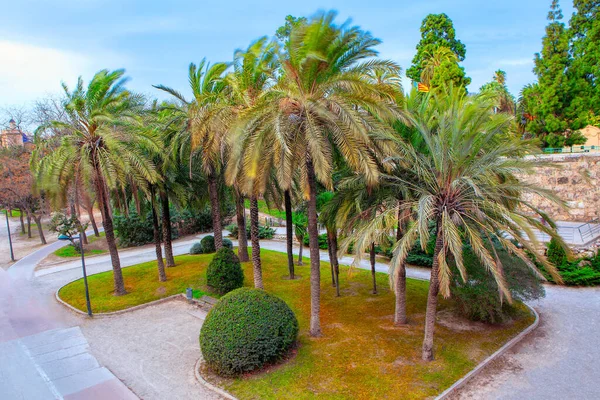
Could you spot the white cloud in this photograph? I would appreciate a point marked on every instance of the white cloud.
(516, 62)
(28, 71)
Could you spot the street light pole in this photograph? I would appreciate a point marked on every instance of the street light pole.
(85, 283)
(12, 254)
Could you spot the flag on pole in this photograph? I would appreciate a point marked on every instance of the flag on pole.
(422, 88)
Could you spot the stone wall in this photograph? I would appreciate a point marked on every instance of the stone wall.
(575, 180)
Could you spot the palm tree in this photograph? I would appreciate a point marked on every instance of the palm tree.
(253, 71)
(97, 144)
(465, 184)
(434, 60)
(205, 127)
(319, 104)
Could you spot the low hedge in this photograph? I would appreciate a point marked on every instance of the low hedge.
(247, 329)
(207, 244)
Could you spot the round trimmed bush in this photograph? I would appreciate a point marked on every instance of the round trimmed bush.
(208, 244)
(224, 272)
(196, 248)
(247, 329)
(227, 243)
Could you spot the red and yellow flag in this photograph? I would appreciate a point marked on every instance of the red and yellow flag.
(421, 87)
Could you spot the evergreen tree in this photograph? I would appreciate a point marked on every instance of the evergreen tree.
(437, 30)
(548, 112)
(585, 70)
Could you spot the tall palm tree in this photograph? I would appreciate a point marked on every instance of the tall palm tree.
(206, 126)
(253, 71)
(318, 105)
(465, 184)
(98, 145)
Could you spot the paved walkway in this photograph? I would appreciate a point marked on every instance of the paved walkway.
(44, 354)
(558, 361)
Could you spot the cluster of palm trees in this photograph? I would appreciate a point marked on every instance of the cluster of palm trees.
(286, 119)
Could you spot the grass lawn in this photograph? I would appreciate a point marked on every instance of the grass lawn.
(15, 213)
(69, 251)
(361, 354)
(264, 208)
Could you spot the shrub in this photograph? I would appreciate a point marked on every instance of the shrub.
(478, 299)
(419, 259)
(133, 230)
(556, 254)
(196, 248)
(233, 230)
(322, 241)
(247, 329)
(224, 272)
(227, 243)
(208, 244)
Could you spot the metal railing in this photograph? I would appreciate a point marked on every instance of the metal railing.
(572, 149)
(589, 231)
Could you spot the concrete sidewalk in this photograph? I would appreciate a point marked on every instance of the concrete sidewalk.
(44, 354)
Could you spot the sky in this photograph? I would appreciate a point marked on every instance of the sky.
(44, 43)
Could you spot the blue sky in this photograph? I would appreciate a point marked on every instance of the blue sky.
(45, 42)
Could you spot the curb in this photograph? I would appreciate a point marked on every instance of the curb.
(210, 386)
(481, 366)
(179, 296)
(152, 303)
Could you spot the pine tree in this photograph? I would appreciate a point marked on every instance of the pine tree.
(437, 30)
(550, 67)
(585, 70)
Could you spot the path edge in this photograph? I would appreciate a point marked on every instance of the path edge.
(209, 385)
(501, 351)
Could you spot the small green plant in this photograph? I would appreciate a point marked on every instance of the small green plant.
(224, 272)
(322, 241)
(556, 254)
(208, 244)
(227, 243)
(247, 329)
(196, 248)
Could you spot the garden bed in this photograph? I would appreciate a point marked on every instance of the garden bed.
(360, 355)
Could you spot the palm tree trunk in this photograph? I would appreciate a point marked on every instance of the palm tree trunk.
(162, 276)
(289, 231)
(215, 211)
(22, 222)
(74, 212)
(331, 263)
(315, 262)
(136, 197)
(166, 227)
(373, 275)
(38, 221)
(336, 264)
(400, 312)
(88, 204)
(256, 263)
(434, 288)
(28, 217)
(400, 282)
(240, 213)
(107, 223)
(93, 222)
(301, 240)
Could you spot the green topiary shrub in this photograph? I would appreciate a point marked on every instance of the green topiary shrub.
(196, 248)
(556, 254)
(227, 243)
(247, 329)
(208, 244)
(224, 272)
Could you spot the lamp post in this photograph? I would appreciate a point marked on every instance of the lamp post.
(12, 254)
(85, 283)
